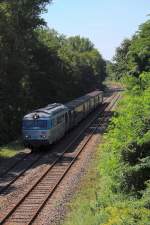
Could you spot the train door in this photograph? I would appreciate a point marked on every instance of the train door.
(74, 117)
(84, 109)
(52, 137)
(99, 100)
(88, 105)
(60, 125)
(94, 102)
(66, 121)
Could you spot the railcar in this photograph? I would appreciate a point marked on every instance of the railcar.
(46, 125)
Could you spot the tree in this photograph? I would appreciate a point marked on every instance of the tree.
(18, 21)
(39, 66)
(120, 60)
(139, 51)
(132, 57)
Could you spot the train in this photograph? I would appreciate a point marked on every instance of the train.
(44, 126)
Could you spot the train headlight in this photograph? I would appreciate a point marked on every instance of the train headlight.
(35, 116)
(27, 136)
(43, 136)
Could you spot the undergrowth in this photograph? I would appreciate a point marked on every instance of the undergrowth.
(123, 179)
(10, 150)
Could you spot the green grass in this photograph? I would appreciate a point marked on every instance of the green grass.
(10, 150)
(93, 205)
(83, 205)
(116, 189)
(111, 83)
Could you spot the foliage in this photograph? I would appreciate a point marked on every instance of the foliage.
(139, 52)
(119, 66)
(39, 66)
(125, 157)
(123, 181)
(133, 56)
(10, 150)
(117, 193)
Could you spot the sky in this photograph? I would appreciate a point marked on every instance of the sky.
(105, 22)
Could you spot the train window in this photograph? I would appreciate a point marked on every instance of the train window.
(42, 124)
(30, 124)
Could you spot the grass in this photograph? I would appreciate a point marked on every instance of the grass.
(102, 198)
(87, 209)
(111, 83)
(10, 150)
(81, 208)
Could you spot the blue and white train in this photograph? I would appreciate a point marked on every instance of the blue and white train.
(46, 125)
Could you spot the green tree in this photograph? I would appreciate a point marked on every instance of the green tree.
(39, 66)
(119, 66)
(18, 21)
(133, 56)
(139, 51)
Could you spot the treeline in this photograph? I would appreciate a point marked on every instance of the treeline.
(39, 66)
(132, 57)
(121, 193)
(124, 194)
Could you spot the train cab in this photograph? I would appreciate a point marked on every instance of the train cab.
(44, 126)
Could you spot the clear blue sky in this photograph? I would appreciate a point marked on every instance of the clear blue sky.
(105, 22)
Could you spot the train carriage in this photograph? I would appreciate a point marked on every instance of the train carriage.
(46, 125)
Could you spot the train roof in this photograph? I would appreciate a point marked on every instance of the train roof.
(94, 93)
(77, 101)
(49, 110)
(80, 100)
(55, 108)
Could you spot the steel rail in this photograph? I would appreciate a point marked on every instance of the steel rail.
(67, 169)
(64, 174)
(3, 189)
(14, 165)
(56, 161)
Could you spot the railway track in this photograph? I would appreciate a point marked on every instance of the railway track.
(4, 173)
(9, 177)
(9, 172)
(12, 174)
(25, 211)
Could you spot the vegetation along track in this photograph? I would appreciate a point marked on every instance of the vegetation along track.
(29, 206)
(18, 169)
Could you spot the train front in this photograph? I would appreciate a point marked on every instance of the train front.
(36, 130)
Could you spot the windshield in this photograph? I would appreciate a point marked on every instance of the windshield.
(34, 124)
